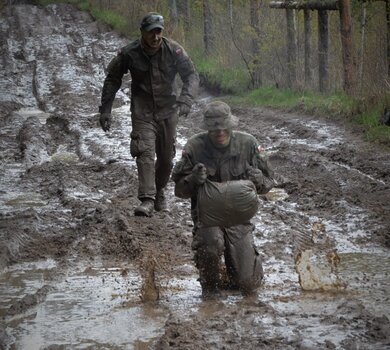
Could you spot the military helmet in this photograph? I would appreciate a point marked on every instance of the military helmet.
(218, 116)
(151, 21)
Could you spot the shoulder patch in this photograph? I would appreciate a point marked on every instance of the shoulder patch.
(179, 51)
(260, 149)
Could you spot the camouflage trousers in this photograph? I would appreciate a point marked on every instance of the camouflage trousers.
(235, 244)
(153, 146)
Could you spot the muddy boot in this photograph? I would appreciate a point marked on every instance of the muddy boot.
(211, 293)
(145, 208)
(160, 202)
(209, 278)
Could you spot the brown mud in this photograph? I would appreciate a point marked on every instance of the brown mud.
(78, 270)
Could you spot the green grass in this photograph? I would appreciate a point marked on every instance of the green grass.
(112, 18)
(375, 130)
(220, 77)
(308, 102)
(332, 106)
(115, 20)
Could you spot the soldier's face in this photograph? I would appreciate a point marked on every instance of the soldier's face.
(153, 37)
(220, 138)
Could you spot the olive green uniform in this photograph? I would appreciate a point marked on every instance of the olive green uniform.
(154, 106)
(234, 162)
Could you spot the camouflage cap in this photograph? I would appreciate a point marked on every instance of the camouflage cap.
(218, 116)
(151, 21)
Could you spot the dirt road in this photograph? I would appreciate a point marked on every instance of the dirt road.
(79, 271)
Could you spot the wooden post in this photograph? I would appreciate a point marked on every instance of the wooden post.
(291, 49)
(307, 26)
(307, 4)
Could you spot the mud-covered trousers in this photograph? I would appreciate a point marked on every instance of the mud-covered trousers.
(153, 146)
(243, 262)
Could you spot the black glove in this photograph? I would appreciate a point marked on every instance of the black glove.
(105, 121)
(184, 109)
(198, 175)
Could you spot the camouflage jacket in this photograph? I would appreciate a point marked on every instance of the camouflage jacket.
(153, 94)
(241, 160)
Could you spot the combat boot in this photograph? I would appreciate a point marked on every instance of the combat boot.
(209, 277)
(160, 203)
(145, 208)
(210, 292)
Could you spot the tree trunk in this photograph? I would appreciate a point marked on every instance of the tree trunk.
(346, 41)
(307, 26)
(388, 37)
(185, 14)
(173, 13)
(256, 61)
(230, 17)
(291, 49)
(230, 10)
(208, 37)
(323, 44)
(362, 44)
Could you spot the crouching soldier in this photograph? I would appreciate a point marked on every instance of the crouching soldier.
(222, 154)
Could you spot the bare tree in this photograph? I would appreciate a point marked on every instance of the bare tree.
(307, 29)
(254, 20)
(173, 13)
(185, 11)
(234, 40)
(346, 40)
(363, 20)
(323, 50)
(208, 35)
(291, 49)
(388, 37)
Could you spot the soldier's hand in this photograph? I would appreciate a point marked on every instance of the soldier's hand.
(184, 110)
(199, 174)
(105, 121)
(262, 183)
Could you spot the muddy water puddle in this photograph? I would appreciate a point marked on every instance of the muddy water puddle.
(91, 306)
(98, 305)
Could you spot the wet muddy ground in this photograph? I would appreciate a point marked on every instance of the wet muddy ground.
(79, 271)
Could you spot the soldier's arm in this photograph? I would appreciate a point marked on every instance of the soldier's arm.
(113, 81)
(181, 175)
(188, 75)
(260, 171)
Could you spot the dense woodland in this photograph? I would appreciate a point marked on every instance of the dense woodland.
(263, 42)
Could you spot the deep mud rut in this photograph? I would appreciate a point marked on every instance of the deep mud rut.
(79, 271)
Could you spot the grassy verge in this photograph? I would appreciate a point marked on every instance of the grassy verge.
(112, 18)
(217, 76)
(332, 106)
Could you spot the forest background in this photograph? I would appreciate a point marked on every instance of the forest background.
(241, 49)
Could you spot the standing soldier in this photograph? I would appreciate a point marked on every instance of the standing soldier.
(153, 61)
(220, 155)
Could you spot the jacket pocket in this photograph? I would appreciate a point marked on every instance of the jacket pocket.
(237, 170)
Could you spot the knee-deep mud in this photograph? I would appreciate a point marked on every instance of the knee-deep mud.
(79, 271)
